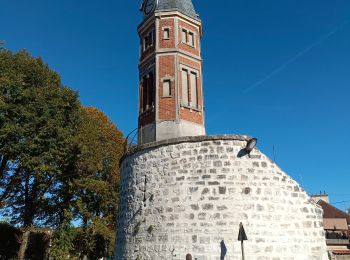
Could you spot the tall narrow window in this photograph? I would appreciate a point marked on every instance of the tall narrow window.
(148, 40)
(144, 43)
(194, 94)
(166, 34)
(166, 88)
(184, 76)
(151, 37)
(184, 36)
(147, 92)
(144, 93)
(150, 99)
(191, 38)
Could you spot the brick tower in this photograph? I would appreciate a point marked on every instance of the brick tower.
(170, 71)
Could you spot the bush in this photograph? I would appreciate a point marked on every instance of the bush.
(9, 243)
(38, 245)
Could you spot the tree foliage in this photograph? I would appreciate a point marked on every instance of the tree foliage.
(101, 147)
(38, 119)
(93, 190)
(59, 161)
(62, 242)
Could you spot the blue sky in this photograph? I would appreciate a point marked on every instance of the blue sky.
(277, 70)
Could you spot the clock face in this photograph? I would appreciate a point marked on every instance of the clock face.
(149, 6)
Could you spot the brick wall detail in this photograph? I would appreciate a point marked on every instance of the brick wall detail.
(167, 23)
(150, 50)
(167, 105)
(182, 46)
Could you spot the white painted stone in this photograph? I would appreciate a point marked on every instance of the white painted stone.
(195, 195)
(164, 130)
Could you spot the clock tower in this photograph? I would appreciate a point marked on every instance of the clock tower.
(170, 71)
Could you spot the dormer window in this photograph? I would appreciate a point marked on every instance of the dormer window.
(148, 40)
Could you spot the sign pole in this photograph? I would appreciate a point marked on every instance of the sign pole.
(243, 258)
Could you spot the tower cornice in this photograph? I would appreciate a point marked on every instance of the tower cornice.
(164, 14)
(167, 52)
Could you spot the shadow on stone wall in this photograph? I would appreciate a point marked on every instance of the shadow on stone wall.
(223, 250)
(242, 153)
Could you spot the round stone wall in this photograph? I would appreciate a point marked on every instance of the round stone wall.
(189, 195)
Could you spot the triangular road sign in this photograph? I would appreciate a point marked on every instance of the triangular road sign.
(242, 235)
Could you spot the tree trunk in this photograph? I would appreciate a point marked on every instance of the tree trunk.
(27, 220)
(28, 204)
(3, 165)
(24, 245)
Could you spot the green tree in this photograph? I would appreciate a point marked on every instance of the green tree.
(101, 147)
(38, 129)
(58, 161)
(63, 242)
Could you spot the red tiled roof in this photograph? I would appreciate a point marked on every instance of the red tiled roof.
(341, 252)
(330, 211)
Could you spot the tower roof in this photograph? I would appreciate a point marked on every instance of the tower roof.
(184, 6)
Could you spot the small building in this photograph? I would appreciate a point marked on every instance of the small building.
(337, 228)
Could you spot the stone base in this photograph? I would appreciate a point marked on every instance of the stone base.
(164, 130)
(188, 195)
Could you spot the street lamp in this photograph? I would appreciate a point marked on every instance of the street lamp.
(251, 144)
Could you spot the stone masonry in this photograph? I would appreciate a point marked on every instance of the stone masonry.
(188, 195)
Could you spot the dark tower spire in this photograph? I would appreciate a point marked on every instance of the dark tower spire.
(183, 6)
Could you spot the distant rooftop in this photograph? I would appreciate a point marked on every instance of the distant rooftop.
(317, 197)
(330, 211)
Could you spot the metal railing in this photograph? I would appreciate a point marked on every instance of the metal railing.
(130, 140)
